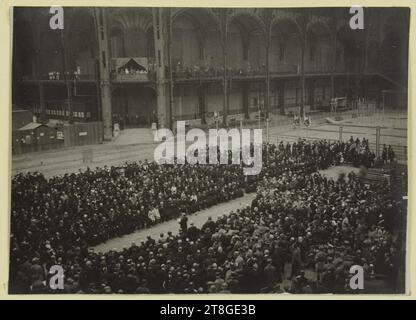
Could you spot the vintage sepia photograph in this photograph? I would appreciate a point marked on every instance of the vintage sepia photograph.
(209, 150)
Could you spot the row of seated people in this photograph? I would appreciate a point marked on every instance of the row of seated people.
(197, 71)
(55, 221)
(56, 75)
(131, 71)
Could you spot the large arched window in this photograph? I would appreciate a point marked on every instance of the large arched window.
(347, 50)
(319, 51)
(187, 45)
(130, 32)
(196, 40)
(373, 57)
(246, 48)
(81, 42)
(285, 47)
(23, 46)
(117, 43)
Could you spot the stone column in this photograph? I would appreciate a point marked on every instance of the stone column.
(100, 15)
(164, 91)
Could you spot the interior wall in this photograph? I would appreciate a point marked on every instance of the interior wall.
(134, 102)
(214, 98)
(135, 43)
(235, 48)
(185, 44)
(235, 99)
(213, 49)
(321, 59)
(292, 94)
(257, 51)
(186, 102)
(51, 52)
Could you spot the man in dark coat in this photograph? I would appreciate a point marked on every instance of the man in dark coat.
(192, 232)
(183, 222)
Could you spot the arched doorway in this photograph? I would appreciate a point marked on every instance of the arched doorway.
(131, 32)
(246, 56)
(133, 106)
(196, 52)
(319, 49)
(285, 58)
(285, 47)
(319, 60)
(349, 59)
(81, 42)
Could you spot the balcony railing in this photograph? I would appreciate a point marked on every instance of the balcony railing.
(59, 109)
(201, 74)
(319, 69)
(139, 77)
(189, 73)
(213, 73)
(135, 69)
(57, 76)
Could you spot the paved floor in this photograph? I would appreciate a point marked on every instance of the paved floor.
(134, 136)
(334, 172)
(138, 144)
(131, 145)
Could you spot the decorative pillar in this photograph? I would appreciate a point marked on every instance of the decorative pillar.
(37, 73)
(246, 90)
(104, 69)
(201, 102)
(365, 67)
(311, 94)
(302, 68)
(334, 67)
(224, 22)
(282, 96)
(267, 100)
(302, 80)
(69, 100)
(164, 87)
(42, 102)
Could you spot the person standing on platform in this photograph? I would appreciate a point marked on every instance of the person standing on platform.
(183, 222)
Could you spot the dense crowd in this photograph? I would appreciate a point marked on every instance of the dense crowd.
(96, 205)
(298, 219)
(198, 71)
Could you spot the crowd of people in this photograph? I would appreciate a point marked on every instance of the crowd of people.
(299, 219)
(96, 205)
(132, 71)
(198, 71)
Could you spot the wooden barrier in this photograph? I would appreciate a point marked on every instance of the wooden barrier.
(46, 138)
(83, 134)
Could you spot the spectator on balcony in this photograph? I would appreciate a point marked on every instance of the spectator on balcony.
(390, 154)
(179, 66)
(384, 154)
(249, 70)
